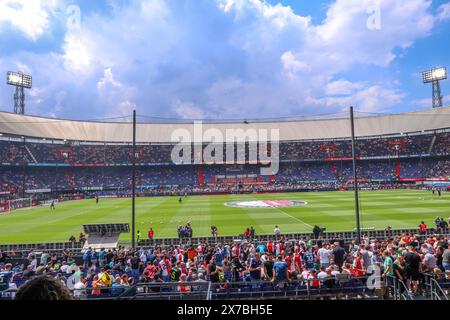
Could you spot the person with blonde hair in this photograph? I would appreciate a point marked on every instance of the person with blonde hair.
(97, 285)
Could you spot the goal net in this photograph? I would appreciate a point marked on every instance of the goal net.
(7, 206)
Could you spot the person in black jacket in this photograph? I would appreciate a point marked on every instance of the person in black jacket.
(236, 268)
(4, 257)
(317, 231)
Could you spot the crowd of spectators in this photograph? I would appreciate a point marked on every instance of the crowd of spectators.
(21, 182)
(90, 154)
(278, 261)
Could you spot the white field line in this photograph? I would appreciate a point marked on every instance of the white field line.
(301, 221)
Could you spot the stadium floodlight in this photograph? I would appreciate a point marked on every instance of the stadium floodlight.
(20, 81)
(434, 76)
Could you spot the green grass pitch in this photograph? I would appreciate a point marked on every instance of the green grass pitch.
(333, 210)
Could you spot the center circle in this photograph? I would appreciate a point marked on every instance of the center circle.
(264, 204)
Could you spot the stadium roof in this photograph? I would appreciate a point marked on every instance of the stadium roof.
(119, 132)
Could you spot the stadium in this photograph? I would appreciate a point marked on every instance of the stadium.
(223, 150)
(84, 170)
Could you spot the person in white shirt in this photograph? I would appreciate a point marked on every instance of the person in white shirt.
(277, 232)
(305, 274)
(324, 255)
(334, 270)
(79, 289)
(34, 263)
(64, 267)
(322, 274)
(72, 268)
(143, 257)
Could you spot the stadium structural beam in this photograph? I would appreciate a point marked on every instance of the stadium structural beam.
(133, 182)
(437, 97)
(355, 176)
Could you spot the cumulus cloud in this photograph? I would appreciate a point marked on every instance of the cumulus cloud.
(342, 87)
(108, 79)
(30, 17)
(366, 98)
(444, 12)
(187, 110)
(221, 58)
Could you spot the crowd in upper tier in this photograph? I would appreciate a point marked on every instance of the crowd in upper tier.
(71, 153)
(279, 262)
(147, 178)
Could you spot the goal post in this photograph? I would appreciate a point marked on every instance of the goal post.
(7, 206)
(20, 203)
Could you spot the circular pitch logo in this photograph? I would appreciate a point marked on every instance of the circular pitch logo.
(266, 204)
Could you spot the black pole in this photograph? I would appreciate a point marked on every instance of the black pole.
(355, 177)
(133, 185)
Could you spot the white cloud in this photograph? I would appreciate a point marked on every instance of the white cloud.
(367, 99)
(30, 17)
(108, 79)
(221, 58)
(124, 109)
(293, 66)
(187, 110)
(77, 54)
(344, 38)
(444, 12)
(342, 87)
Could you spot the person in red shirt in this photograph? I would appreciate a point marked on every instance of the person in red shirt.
(270, 246)
(358, 269)
(288, 260)
(191, 253)
(405, 239)
(298, 261)
(313, 281)
(151, 270)
(183, 288)
(151, 233)
(422, 228)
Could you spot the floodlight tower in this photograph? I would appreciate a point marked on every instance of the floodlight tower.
(434, 76)
(21, 82)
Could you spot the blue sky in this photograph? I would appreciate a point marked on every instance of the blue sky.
(223, 59)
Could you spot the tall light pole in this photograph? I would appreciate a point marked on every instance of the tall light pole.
(355, 176)
(434, 76)
(21, 82)
(133, 186)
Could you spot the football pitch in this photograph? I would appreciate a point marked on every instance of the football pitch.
(333, 210)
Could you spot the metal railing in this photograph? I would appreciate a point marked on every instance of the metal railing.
(206, 290)
(398, 288)
(433, 289)
(327, 236)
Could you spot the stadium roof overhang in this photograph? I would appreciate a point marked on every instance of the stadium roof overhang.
(120, 132)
